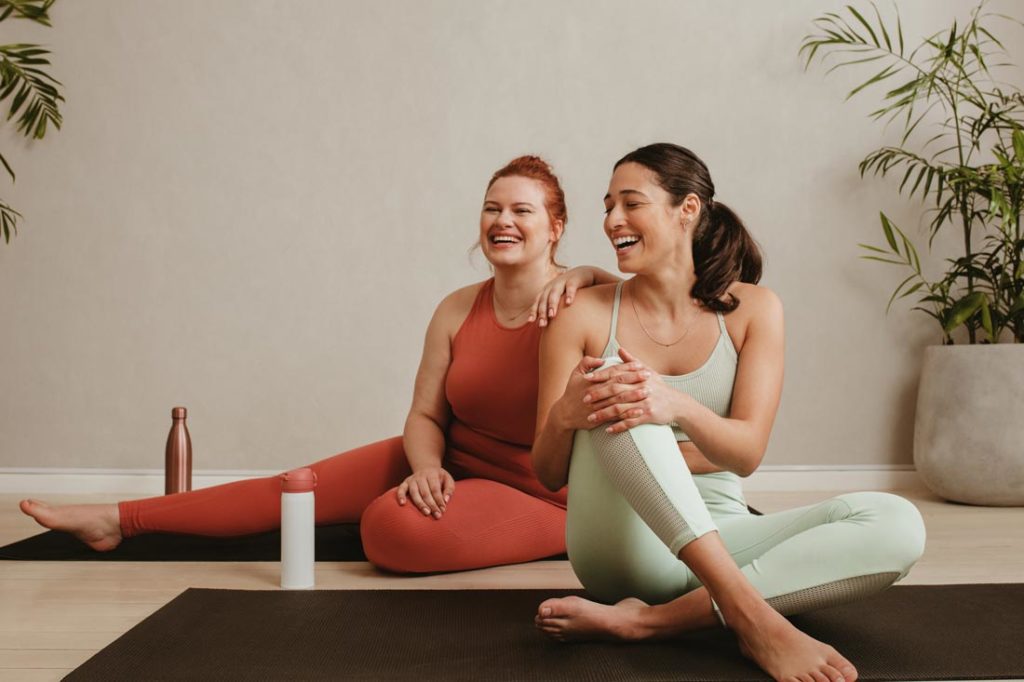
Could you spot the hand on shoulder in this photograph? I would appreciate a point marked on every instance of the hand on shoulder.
(588, 305)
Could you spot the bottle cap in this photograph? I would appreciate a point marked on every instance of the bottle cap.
(179, 413)
(298, 481)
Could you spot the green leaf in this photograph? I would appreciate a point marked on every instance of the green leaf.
(962, 310)
(887, 229)
(10, 170)
(857, 14)
(880, 76)
(986, 320)
(899, 30)
(895, 293)
(912, 289)
(1018, 145)
(1017, 306)
(881, 25)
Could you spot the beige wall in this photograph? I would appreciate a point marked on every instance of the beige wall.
(254, 206)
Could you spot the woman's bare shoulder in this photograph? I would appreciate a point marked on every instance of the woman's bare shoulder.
(453, 309)
(589, 303)
(586, 322)
(755, 300)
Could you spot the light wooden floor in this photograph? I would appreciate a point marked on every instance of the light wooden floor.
(55, 615)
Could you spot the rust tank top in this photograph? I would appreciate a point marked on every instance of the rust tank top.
(492, 390)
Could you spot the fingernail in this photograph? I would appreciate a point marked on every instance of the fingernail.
(587, 398)
(591, 418)
(546, 611)
(610, 430)
(568, 301)
(447, 497)
(543, 322)
(645, 374)
(426, 511)
(551, 312)
(588, 375)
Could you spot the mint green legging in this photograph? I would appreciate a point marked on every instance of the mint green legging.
(633, 504)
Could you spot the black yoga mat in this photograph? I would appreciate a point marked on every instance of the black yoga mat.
(333, 543)
(935, 632)
(339, 542)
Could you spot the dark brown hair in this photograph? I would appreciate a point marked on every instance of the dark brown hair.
(536, 168)
(723, 250)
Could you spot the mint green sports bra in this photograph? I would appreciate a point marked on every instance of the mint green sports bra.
(710, 384)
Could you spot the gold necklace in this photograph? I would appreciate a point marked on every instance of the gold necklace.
(501, 309)
(632, 302)
(498, 308)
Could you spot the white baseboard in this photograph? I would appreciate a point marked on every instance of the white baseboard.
(848, 477)
(151, 481)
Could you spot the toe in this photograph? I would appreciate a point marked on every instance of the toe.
(847, 670)
(832, 674)
(552, 608)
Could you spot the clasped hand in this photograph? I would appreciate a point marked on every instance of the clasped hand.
(621, 396)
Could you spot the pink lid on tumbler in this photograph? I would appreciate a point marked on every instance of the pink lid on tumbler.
(298, 481)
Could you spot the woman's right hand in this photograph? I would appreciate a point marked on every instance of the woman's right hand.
(572, 409)
(546, 304)
(430, 488)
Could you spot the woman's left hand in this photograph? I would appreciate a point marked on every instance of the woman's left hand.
(624, 398)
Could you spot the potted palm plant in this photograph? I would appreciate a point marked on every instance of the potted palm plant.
(969, 174)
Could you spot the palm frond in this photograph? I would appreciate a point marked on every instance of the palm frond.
(36, 97)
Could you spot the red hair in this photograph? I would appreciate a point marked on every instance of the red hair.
(536, 168)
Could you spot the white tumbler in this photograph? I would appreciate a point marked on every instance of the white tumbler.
(298, 538)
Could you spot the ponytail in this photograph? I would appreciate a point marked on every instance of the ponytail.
(723, 253)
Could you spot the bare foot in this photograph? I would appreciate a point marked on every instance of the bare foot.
(97, 525)
(574, 619)
(787, 654)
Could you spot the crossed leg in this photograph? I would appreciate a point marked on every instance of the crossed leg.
(637, 527)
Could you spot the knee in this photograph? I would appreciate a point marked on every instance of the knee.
(900, 531)
(398, 538)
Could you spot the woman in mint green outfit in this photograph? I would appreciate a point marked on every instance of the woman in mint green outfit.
(654, 450)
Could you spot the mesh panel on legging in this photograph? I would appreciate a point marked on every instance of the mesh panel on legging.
(831, 594)
(626, 468)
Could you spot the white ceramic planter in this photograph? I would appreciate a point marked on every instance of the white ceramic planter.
(969, 424)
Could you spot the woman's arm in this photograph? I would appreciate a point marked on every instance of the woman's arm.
(738, 442)
(430, 487)
(580, 277)
(560, 407)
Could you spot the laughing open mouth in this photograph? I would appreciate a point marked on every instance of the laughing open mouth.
(504, 239)
(624, 242)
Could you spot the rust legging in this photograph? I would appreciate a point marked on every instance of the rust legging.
(486, 524)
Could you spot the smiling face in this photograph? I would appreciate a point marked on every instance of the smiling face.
(514, 224)
(640, 221)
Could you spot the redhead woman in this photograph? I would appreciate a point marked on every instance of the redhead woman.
(657, 396)
(456, 491)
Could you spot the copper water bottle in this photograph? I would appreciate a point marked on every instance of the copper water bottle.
(178, 460)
